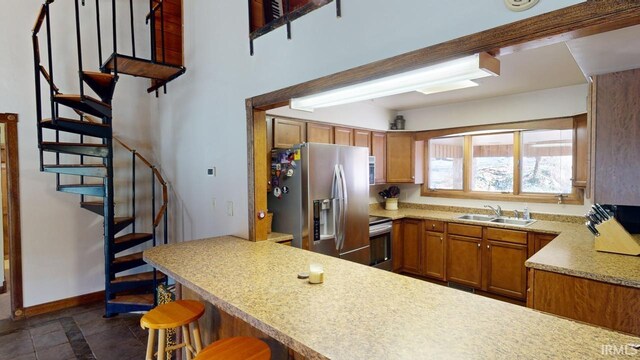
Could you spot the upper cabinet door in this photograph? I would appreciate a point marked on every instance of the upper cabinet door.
(581, 146)
(400, 158)
(319, 133)
(342, 136)
(617, 138)
(362, 138)
(287, 133)
(379, 151)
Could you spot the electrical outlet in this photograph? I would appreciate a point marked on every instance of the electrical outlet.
(229, 208)
(211, 171)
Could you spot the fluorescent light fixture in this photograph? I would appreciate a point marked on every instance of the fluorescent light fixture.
(549, 145)
(438, 88)
(441, 75)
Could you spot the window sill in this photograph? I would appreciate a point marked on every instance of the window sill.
(576, 198)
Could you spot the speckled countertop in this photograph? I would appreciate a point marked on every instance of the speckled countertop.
(361, 312)
(279, 237)
(571, 253)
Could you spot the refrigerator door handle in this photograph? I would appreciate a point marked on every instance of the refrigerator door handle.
(336, 195)
(343, 206)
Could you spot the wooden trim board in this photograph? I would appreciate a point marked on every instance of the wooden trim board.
(13, 187)
(64, 304)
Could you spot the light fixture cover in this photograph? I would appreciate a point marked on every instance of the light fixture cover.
(440, 75)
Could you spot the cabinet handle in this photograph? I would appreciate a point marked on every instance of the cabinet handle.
(488, 247)
(433, 226)
(440, 238)
(478, 244)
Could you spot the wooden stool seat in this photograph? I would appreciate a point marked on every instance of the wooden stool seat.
(236, 348)
(177, 314)
(172, 315)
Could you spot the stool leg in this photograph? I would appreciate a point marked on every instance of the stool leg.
(187, 342)
(150, 343)
(196, 336)
(162, 344)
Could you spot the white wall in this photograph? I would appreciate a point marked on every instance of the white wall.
(363, 114)
(62, 244)
(202, 121)
(565, 101)
(542, 104)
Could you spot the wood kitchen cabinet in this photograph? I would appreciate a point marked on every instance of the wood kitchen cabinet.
(379, 151)
(397, 246)
(505, 254)
(287, 133)
(581, 145)
(362, 138)
(342, 136)
(411, 234)
(319, 133)
(615, 115)
(433, 250)
(400, 158)
(541, 240)
(464, 254)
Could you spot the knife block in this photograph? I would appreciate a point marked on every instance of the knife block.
(615, 239)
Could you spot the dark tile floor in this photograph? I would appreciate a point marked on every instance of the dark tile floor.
(76, 333)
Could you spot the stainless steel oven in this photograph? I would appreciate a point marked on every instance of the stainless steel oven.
(380, 237)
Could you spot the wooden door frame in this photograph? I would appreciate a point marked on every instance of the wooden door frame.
(13, 189)
(583, 19)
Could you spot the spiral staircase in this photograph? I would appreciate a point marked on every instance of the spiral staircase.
(79, 149)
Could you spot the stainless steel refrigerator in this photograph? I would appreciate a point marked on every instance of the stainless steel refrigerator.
(320, 194)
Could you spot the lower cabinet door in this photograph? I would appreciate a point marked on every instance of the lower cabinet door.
(433, 256)
(506, 273)
(397, 246)
(464, 261)
(411, 231)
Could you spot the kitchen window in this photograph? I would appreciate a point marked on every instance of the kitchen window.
(531, 161)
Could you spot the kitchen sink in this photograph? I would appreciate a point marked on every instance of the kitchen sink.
(509, 221)
(496, 220)
(473, 217)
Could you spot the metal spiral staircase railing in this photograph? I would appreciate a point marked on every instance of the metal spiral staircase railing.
(86, 166)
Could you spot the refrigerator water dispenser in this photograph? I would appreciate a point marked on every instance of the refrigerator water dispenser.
(323, 224)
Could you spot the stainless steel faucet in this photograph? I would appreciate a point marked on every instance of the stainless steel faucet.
(497, 209)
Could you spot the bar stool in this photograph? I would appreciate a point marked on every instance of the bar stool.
(180, 313)
(236, 348)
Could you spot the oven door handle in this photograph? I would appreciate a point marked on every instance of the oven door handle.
(376, 230)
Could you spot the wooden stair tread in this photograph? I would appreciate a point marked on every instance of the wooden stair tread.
(132, 237)
(92, 203)
(80, 185)
(75, 166)
(79, 98)
(127, 258)
(48, 121)
(145, 276)
(122, 219)
(50, 143)
(102, 79)
(142, 299)
(143, 68)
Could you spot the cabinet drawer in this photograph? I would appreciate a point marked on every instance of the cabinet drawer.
(465, 230)
(513, 236)
(434, 225)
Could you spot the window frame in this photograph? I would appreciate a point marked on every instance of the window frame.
(576, 196)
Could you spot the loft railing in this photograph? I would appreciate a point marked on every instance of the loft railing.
(264, 20)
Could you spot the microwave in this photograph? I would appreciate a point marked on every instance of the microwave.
(372, 170)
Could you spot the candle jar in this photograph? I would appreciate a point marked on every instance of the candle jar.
(316, 274)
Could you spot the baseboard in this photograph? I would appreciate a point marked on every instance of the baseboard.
(3, 288)
(64, 303)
